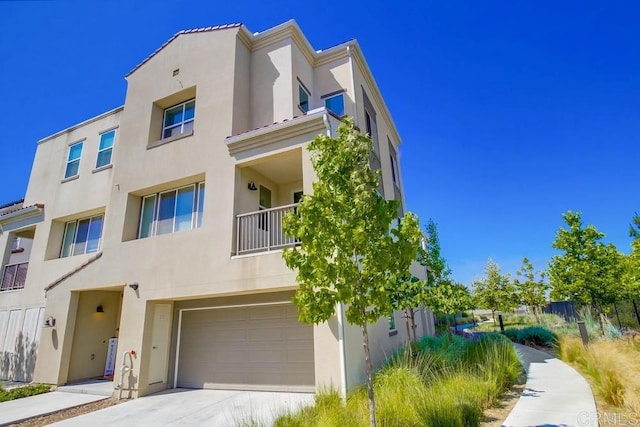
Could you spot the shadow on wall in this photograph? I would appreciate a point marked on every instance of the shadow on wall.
(20, 364)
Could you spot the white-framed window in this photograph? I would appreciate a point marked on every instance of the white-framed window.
(335, 104)
(73, 160)
(179, 119)
(303, 98)
(297, 196)
(82, 236)
(105, 149)
(172, 211)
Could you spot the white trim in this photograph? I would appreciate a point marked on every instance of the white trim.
(216, 307)
(66, 166)
(182, 122)
(113, 143)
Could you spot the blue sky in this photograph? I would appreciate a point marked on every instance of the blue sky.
(510, 112)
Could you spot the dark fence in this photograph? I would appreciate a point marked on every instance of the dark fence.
(566, 309)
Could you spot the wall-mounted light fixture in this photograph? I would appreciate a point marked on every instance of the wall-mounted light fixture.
(50, 322)
(134, 286)
(252, 186)
(99, 309)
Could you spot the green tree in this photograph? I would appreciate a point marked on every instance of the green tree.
(406, 295)
(587, 271)
(494, 291)
(439, 292)
(632, 270)
(532, 289)
(448, 297)
(349, 250)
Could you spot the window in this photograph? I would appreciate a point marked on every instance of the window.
(82, 236)
(264, 203)
(303, 99)
(394, 170)
(335, 104)
(105, 149)
(372, 130)
(179, 119)
(297, 196)
(73, 160)
(392, 323)
(172, 211)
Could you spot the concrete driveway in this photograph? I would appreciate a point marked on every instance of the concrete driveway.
(196, 407)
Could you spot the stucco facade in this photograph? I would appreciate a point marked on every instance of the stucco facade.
(166, 225)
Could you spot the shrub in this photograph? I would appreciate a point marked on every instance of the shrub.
(512, 334)
(26, 391)
(537, 335)
(608, 365)
(445, 384)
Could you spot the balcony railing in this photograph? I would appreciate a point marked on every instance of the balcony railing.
(262, 230)
(14, 276)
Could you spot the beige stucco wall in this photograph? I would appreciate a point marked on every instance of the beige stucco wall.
(236, 88)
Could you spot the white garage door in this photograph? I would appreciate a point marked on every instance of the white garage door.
(246, 348)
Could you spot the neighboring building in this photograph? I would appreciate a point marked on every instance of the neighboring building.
(151, 224)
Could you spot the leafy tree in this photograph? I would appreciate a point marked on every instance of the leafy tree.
(588, 271)
(495, 290)
(349, 251)
(448, 297)
(530, 290)
(405, 295)
(632, 273)
(432, 258)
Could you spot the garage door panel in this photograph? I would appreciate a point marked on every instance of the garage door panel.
(254, 348)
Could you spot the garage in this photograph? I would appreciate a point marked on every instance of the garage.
(258, 347)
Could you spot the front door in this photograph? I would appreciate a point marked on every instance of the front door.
(160, 343)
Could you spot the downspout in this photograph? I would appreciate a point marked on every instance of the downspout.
(343, 367)
(353, 86)
(327, 123)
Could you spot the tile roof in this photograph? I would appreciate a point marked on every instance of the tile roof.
(266, 126)
(38, 205)
(315, 111)
(15, 202)
(175, 36)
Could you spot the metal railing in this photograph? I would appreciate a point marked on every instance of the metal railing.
(262, 230)
(14, 276)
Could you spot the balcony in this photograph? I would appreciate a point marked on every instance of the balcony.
(262, 230)
(14, 276)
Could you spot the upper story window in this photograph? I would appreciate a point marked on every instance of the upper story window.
(372, 130)
(105, 149)
(172, 211)
(370, 122)
(303, 98)
(393, 160)
(179, 119)
(335, 104)
(394, 170)
(73, 160)
(82, 236)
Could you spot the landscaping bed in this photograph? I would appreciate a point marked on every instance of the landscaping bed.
(445, 384)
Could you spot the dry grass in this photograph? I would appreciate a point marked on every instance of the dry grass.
(613, 369)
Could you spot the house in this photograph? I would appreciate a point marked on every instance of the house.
(159, 223)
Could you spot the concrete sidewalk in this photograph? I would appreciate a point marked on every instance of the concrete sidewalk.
(554, 395)
(195, 408)
(42, 404)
